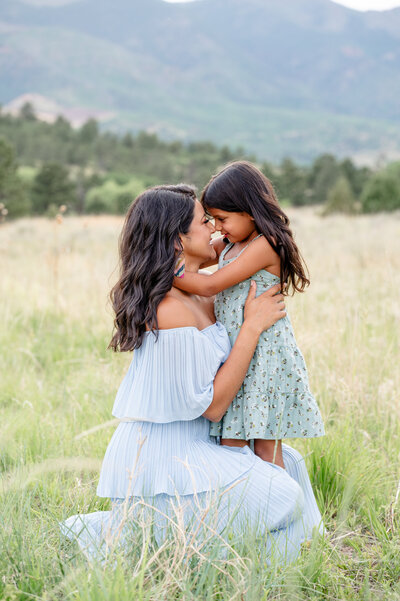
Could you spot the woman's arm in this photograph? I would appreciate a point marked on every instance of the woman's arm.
(260, 314)
(258, 255)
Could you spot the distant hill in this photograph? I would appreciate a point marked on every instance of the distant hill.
(292, 77)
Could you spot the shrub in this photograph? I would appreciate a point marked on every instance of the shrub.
(112, 197)
(382, 191)
(341, 199)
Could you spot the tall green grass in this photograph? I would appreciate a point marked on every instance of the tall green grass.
(57, 388)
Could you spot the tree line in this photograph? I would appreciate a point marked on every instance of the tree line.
(44, 166)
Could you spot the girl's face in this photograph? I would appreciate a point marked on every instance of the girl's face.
(196, 243)
(234, 226)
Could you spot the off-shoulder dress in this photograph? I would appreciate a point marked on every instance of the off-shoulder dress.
(161, 455)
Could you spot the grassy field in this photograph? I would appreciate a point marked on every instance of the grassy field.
(58, 383)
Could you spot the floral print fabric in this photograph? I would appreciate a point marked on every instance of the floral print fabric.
(275, 400)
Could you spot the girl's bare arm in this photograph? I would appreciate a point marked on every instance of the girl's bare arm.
(258, 255)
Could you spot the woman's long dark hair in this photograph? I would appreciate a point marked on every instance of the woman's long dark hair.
(147, 248)
(241, 187)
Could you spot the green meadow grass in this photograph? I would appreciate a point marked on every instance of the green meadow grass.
(57, 388)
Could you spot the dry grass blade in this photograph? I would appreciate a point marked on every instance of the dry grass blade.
(109, 424)
(22, 477)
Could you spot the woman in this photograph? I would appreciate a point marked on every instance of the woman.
(184, 375)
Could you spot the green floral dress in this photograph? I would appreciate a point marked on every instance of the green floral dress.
(274, 401)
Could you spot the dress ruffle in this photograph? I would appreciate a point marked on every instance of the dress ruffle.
(274, 401)
(276, 506)
(178, 458)
(163, 443)
(171, 377)
(163, 450)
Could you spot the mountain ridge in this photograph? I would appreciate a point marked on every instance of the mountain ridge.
(166, 67)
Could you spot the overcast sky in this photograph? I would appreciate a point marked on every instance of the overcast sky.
(369, 4)
(357, 4)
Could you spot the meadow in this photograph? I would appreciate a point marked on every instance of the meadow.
(57, 387)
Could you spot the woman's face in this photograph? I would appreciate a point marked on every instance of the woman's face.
(196, 243)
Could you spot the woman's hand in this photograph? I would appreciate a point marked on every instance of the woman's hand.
(259, 314)
(262, 312)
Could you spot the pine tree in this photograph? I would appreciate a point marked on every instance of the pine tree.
(13, 194)
(52, 186)
(341, 199)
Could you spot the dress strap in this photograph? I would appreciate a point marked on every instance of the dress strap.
(259, 236)
(225, 250)
(229, 246)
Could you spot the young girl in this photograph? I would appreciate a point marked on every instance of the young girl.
(256, 245)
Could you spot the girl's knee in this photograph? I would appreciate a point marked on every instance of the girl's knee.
(269, 450)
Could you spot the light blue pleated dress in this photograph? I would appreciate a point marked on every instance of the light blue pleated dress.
(162, 456)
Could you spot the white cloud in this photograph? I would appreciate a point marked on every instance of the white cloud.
(356, 4)
(369, 4)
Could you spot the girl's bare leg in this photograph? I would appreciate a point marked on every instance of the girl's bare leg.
(234, 442)
(269, 450)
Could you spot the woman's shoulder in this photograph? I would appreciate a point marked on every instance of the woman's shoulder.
(173, 312)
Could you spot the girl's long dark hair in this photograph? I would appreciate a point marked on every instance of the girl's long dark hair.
(147, 248)
(241, 187)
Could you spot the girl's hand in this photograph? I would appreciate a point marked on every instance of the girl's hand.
(262, 312)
